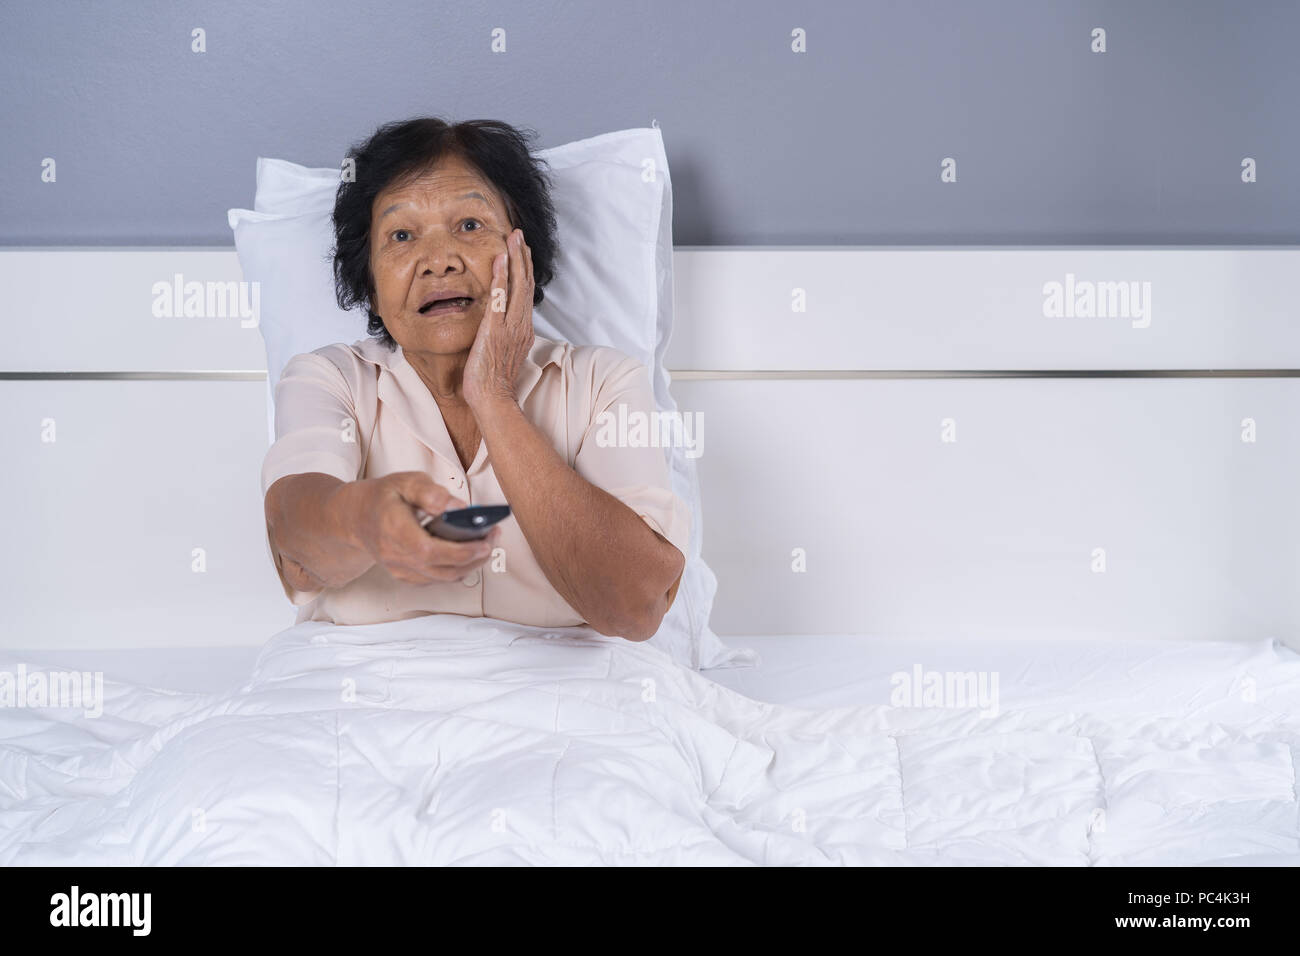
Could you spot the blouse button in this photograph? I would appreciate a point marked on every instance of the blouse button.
(470, 579)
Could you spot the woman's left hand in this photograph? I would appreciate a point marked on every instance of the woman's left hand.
(505, 335)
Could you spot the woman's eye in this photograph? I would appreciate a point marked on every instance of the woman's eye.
(475, 221)
(398, 234)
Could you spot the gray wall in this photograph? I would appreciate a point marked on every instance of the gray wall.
(839, 145)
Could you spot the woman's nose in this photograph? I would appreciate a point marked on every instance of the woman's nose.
(438, 253)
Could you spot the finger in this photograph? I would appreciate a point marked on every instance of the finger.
(525, 281)
(500, 282)
(455, 554)
(419, 547)
(433, 559)
(421, 576)
(516, 247)
(420, 490)
(451, 563)
(518, 274)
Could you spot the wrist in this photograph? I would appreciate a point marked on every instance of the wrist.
(346, 505)
(492, 406)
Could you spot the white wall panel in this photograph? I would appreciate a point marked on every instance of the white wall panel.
(980, 309)
(992, 535)
(93, 309)
(99, 525)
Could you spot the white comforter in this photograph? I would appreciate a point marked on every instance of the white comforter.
(449, 740)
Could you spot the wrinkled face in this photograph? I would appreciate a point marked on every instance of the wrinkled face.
(431, 237)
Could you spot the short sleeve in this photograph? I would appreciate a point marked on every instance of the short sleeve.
(316, 430)
(622, 451)
(316, 426)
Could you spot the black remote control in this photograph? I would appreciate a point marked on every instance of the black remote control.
(465, 524)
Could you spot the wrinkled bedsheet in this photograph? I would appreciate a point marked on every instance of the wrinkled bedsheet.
(452, 740)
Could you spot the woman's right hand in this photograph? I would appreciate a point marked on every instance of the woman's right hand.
(386, 525)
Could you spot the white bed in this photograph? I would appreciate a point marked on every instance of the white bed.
(1096, 753)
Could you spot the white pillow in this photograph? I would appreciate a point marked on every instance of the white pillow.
(613, 286)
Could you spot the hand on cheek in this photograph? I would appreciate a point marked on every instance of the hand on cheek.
(505, 335)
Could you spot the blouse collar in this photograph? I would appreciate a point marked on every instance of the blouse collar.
(404, 392)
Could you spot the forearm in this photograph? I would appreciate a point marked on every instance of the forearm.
(310, 523)
(602, 558)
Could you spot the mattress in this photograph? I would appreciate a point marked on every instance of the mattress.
(602, 751)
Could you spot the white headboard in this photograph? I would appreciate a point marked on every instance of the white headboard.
(907, 442)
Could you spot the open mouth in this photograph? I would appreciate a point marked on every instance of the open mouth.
(450, 304)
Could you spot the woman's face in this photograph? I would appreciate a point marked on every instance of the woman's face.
(437, 233)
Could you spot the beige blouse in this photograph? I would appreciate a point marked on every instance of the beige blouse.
(361, 411)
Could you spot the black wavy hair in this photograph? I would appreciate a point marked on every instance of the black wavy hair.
(403, 150)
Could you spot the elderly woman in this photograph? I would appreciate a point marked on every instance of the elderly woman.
(447, 237)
